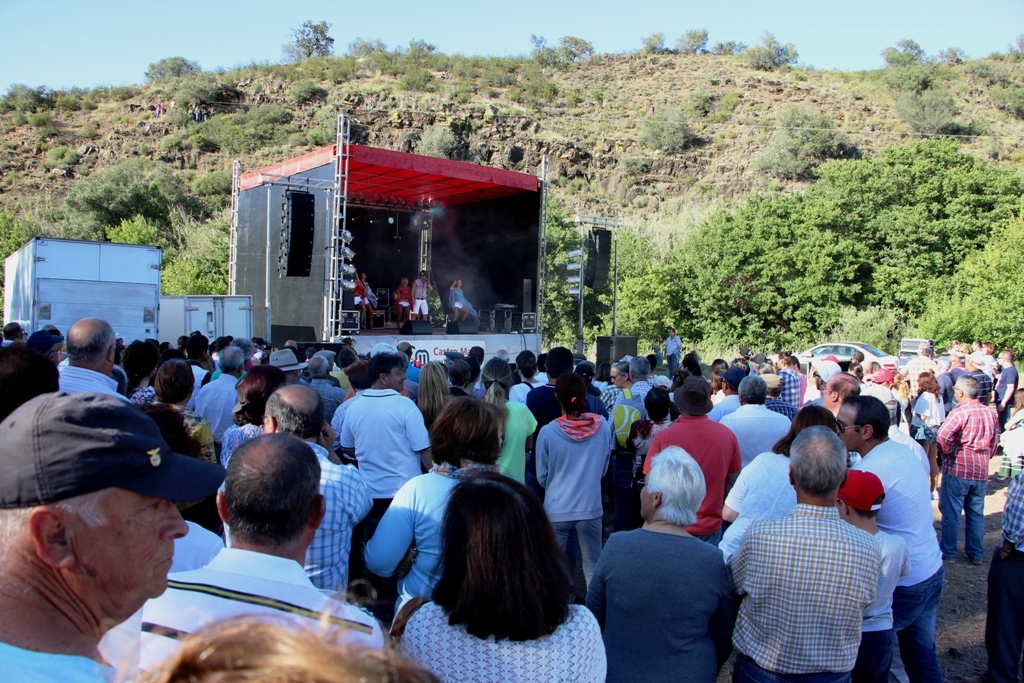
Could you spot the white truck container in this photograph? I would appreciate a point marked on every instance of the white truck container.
(52, 281)
(214, 316)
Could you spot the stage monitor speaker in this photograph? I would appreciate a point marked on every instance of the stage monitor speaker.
(348, 300)
(463, 327)
(417, 327)
(301, 212)
(611, 349)
(279, 334)
(599, 259)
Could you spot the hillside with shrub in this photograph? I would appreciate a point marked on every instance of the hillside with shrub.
(764, 202)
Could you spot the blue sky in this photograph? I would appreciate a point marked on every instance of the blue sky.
(61, 43)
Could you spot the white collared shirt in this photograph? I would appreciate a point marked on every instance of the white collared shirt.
(244, 582)
(75, 380)
(757, 429)
(216, 403)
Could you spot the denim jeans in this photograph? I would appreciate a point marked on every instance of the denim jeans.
(712, 539)
(625, 494)
(746, 670)
(588, 532)
(958, 494)
(873, 657)
(913, 613)
(673, 363)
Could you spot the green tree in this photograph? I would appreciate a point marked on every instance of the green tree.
(12, 236)
(668, 131)
(770, 54)
(573, 49)
(803, 140)
(727, 47)
(309, 40)
(171, 67)
(654, 43)
(933, 111)
(364, 48)
(905, 53)
(136, 230)
(693, 42)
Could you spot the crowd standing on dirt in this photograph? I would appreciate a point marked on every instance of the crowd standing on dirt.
(213, 511)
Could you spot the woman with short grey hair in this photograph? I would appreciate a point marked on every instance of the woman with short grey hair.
(663, 598)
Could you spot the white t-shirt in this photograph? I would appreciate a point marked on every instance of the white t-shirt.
(895, 565)
(931, 408)
(519, 391)
(762, 491)
(25, 666)
(907, 508)
(387, 431)
(901, 437)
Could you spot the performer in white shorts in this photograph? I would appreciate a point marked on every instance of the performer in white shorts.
(419, 297)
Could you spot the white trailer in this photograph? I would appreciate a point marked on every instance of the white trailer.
(52, 281)
(214, 316)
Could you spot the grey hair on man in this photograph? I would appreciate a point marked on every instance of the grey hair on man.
(944, 363)
(817, 461)
(639, 368)
(680, 481)
(244, 344)
(968, 386)
(752, 390)
(296, 410)
(622, 367)
(272, 484)
(231, 360)
(319, 367)
(89, 339)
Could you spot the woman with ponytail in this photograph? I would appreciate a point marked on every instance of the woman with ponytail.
(572, 455)
(520, 423)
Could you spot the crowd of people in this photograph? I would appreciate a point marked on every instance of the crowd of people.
(220, 511)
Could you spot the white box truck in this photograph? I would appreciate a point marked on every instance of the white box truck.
(52, 281)
(214, 316)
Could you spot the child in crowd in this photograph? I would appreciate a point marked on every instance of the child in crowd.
(860, 499)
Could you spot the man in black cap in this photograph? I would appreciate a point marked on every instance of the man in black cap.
(48, 344)
(88, 520)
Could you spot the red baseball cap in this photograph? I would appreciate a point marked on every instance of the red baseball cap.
(831, 358)
(862, 491)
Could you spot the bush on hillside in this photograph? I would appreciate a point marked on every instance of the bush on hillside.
(727, 47)
(22, 98)
(654, 43)
(171, 67)
(67, 104)
(1009, 98)
(803, 140)
(932, 112)
(952, 55)
(305, 92)
(904, 54)
(989, 72)
(40, 119)
(205, 88)
(438, 141)
(907, 79)
(361, 47)
(214, 187)
(770, 54)
(699, 104)
(417, 79)
(668, 131)
(693, 42)
(573, 49)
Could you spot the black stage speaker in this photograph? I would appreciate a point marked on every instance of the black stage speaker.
(611, 349)
(527, 295)
(463, 327)
(417, 327)
(301, 211)
(348, 300)
(599, 259)
(279, 334)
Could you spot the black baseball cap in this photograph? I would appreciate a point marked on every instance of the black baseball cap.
(59, 445)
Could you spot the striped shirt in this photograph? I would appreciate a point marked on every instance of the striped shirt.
(1013, 514)
(777, 405)
(243, 582)
(805, 580)
(74, 380)
(969, 435)
(347, 503)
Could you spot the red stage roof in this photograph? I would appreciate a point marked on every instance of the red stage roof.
(388, 178)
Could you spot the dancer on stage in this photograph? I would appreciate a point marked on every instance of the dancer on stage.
(460, 307)
(365, 300)
(419, 297)
(403, 301)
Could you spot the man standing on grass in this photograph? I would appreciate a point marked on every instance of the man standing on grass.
(673, 349)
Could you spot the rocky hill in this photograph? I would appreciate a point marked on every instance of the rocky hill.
(592, 118)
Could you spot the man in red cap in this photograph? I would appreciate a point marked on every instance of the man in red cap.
(859, 501)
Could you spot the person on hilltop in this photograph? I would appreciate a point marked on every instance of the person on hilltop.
(272, 503)
(89, 528)
(810, 558)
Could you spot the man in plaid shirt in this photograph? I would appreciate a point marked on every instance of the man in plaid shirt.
(922, 362)
(805, 579)
(1004, 624)
(790, 375)
(967, 439)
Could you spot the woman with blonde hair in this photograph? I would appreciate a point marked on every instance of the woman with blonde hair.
(434, 391)
(520, 423)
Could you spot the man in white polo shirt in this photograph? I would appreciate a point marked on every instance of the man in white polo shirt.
(384, 432)
(90, 358)
(271, 500)
(906, 512)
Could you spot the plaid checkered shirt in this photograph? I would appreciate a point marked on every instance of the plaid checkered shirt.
(1013, 514)
(969, 435)
(347, 503)
(806, 580)
(790, 387)
(915, 366)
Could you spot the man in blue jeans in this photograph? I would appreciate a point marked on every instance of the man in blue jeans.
(968, 440)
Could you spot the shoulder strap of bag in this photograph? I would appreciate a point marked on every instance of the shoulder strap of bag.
(403, 616)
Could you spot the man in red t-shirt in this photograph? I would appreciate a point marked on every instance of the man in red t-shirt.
(711, 444)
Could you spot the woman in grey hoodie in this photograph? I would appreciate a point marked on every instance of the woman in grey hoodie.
(572, 455)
